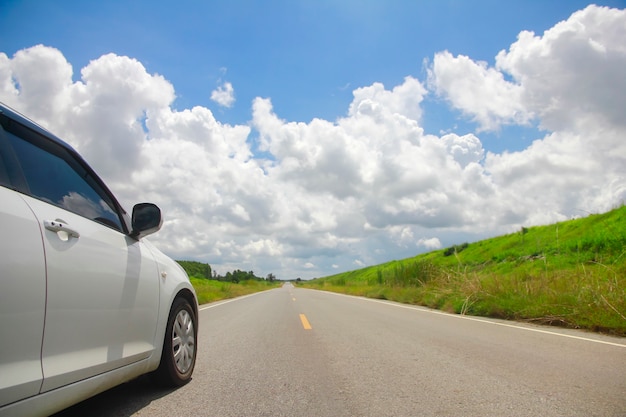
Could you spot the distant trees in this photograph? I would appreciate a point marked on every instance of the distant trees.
(196, 269)
(238, 276)
(201, 270)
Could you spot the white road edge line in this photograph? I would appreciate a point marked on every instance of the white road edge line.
(230, 300)
(472, 318)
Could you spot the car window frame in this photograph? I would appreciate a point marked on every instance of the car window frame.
(73, 159)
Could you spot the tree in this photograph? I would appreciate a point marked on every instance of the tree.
(196, 269)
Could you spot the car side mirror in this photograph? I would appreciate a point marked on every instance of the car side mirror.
(146, 220)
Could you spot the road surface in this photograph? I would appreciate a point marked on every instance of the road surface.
(298, 352)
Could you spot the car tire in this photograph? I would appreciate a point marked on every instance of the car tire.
(179, 346)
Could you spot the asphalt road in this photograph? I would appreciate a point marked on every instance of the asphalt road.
(297, 352)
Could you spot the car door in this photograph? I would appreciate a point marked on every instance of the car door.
(22, 299)
(102, 285)
(102, 297)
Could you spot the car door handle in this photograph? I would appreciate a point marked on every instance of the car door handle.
(59, 226)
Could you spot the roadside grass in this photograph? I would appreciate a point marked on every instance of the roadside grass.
(570, 274)
(209, 290)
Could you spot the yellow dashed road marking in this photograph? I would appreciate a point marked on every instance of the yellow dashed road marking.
(305, 322)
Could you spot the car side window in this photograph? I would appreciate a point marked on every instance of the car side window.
(55, 176)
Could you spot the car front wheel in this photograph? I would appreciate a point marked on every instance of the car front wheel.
(179, 347)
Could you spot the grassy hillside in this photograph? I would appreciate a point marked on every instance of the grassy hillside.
(569, 274)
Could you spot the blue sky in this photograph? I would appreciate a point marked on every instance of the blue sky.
(322, 60)
(307, 56)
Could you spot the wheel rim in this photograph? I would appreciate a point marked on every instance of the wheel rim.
(183, 341)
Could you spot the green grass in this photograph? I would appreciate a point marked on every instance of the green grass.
(209, 290)
(570, 274)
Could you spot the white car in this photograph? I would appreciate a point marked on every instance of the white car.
(86, 303)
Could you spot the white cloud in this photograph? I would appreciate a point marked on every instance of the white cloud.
(432, 243)
(478, 91)
(39, 93)
(224, 95)
(404, 99)
(367, 187)
(464, 149)
(566, 79)
(573, 75)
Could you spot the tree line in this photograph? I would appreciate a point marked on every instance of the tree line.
(204, 270)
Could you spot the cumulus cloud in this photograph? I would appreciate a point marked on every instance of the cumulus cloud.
(224, 95)
(566, 79)
(404, 99)
(367, 187)
(432, 243)
(480, 92)
(573, 75)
